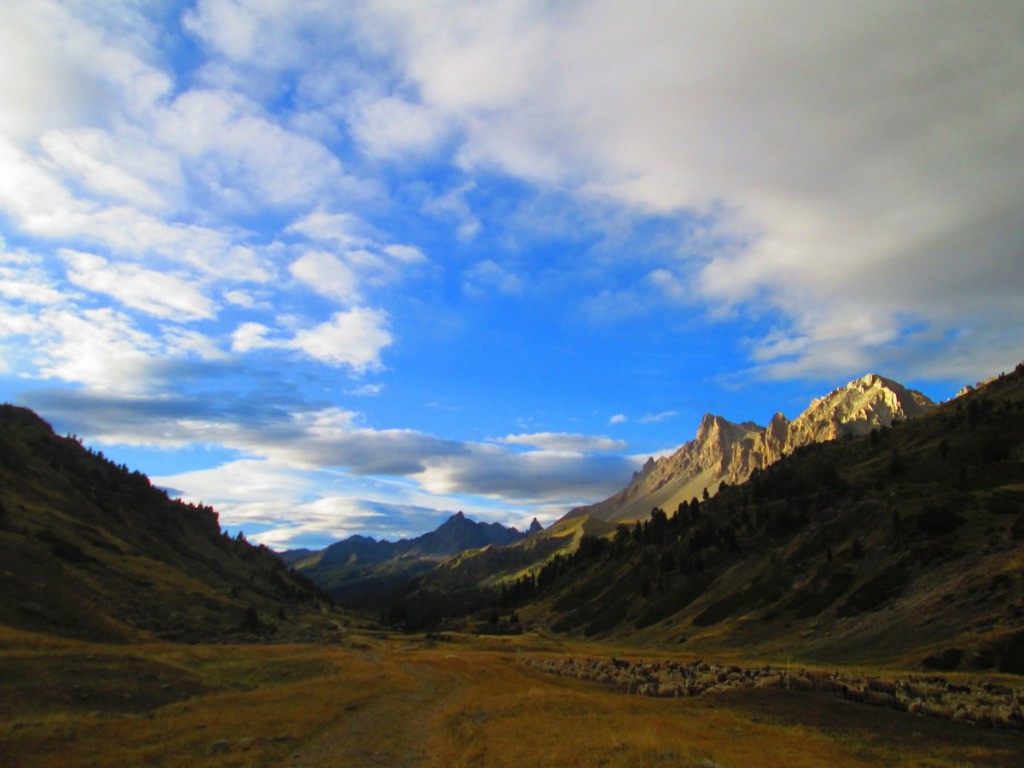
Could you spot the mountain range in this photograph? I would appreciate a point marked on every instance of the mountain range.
(358, 570)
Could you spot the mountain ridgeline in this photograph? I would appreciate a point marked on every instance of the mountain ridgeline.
(360, 571)
(726, 452)
(904, 545)
(93, 551)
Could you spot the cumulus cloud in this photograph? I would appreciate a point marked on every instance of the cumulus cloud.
(327, 275)
(353, 338)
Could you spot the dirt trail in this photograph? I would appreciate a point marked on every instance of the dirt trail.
(393, 730)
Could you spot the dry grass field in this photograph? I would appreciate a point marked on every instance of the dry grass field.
(376, 699)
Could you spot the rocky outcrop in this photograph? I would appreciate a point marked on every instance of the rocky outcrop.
(726, 452)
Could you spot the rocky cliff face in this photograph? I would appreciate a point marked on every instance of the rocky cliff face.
(724, 451)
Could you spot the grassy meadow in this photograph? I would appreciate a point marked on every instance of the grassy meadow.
(379, 699)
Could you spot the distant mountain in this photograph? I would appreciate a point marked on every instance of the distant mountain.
(92, 550)
(900, 547)
(359, 570)
(726, 452)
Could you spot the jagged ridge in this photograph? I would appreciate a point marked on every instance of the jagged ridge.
(723, 451)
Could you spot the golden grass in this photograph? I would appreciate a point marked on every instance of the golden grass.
(392, 701)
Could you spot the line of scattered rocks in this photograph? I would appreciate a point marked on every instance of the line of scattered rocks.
(981, 703)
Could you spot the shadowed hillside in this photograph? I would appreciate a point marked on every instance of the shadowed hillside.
(93, 551)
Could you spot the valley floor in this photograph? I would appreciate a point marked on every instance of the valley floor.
(394, 701)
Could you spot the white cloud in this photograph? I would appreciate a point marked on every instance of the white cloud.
(367, 390)
(124, 167)
(363, 260)
(250, 336)
(656, 418)
(391, 126)
(618, 418)
(406, 254)
(837, 149)
(327, 275)
(180, 343)
(157, 293)
(101, 349)
(344, 229)
(241, 298)
(39, 204)
(563, 441)
(354, 338)
(60, 70)
(247, 160)
(23, 280)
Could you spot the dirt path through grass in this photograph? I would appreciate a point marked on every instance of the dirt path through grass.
(395, 725)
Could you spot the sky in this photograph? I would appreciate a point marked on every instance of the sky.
(349, 267)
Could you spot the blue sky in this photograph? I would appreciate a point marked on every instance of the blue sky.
(343, 268)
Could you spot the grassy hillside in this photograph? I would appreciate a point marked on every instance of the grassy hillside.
(92, 550)
(905, 547)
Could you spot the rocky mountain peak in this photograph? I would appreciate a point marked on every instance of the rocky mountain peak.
(729, 452)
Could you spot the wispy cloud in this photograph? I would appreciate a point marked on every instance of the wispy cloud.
(656, 418)
(561, 441)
